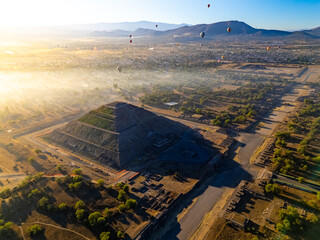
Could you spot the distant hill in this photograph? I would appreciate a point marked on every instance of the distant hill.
(125, 26)
(218, 30)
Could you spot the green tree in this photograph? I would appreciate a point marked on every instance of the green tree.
(105, 236)
(100, 182)
(37, 151)
(31, 160)
(122, 208)
(77, 185)
(34, 193)
(5, 193)
(283, 135)
(131, 203)
(122, 195)
(77, 171)
(80, 214)
(35, 230)
(301, 179)
(106, 212)
(313, 218)
(77, 179)
(272, 188)
(43, 203)
(126, 188)
(120, 185)
(318, 195)
(93, 219)
(120, 234)
(63, 206)
(59, 168)
(79, 205)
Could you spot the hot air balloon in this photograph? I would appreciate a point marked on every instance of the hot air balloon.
(130, 36)
(268, 48)
(209, 5)
(229, 29)
(156, 25)
(130, 41)
(119, 68)
(222, 57)
(202, 34)
(219, 61)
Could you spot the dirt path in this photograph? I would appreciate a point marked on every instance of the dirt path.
(61, 228)
(24, 238)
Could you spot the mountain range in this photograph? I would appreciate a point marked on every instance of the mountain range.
(214, 30)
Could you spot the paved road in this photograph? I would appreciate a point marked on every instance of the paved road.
(215, 188)
(297, 183)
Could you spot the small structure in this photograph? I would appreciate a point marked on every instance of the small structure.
(238, 220)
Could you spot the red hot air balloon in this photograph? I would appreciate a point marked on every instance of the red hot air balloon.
(130, 41)
(229, 29)
(209, 5)
(268, 48)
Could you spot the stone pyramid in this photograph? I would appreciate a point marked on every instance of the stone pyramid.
(116, 133)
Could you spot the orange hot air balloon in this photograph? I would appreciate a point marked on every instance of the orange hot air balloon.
(209, 5)
(229, 29)
(130, 41)
(268, 48)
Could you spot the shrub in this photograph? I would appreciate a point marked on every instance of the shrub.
(35, 230)
(105, 236)
(301, 179)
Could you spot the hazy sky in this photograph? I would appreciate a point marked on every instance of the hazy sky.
(275, 14)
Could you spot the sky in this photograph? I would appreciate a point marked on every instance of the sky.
(268, 14)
